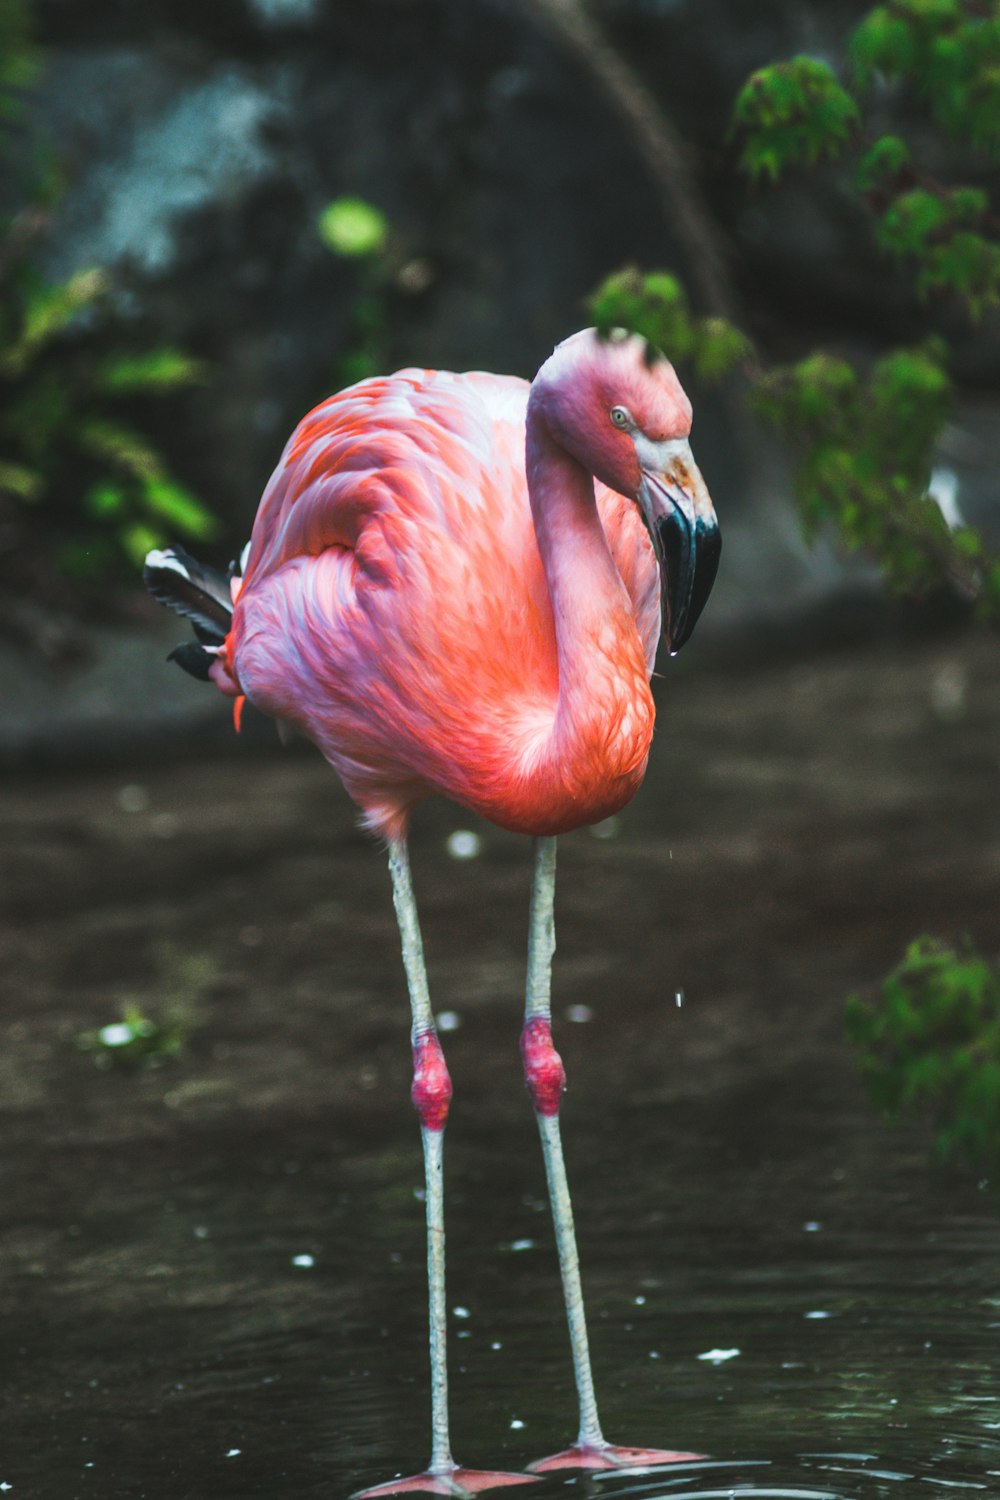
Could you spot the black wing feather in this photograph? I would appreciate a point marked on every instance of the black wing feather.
(199, 593)
(195, 660)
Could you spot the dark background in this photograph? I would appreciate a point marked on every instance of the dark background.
(824, 785)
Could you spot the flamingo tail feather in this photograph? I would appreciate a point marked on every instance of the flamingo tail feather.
(198, 593)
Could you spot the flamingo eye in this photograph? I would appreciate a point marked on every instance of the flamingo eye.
(620, 416)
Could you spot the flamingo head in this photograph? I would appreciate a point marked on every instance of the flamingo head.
(615, 404)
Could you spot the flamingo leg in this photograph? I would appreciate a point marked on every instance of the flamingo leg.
(431, 1094)
(546, 1080)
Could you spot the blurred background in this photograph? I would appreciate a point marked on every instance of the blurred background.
(213, 216)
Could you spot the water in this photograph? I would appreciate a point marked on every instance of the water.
(151, 1341)
(213, 1271)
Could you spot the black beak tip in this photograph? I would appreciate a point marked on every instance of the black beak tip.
(687, 588)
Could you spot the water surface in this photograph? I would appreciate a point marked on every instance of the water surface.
(213, 1270)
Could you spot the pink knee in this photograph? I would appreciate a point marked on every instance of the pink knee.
(543, 1069)
(431, 1091)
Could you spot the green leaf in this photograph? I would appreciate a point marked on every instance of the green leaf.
(949, 51)
(185, 513)
(50, 310)
(792, 113)
(719, 348)
(910, 392)
(352, 228)
(911, 219)
(814, 399)
(969, 204)
(24, 483)
(662, 291)
(655, 306)
(122, 447)
(882, 162)
(158, 371)
(968, 265)
(865, 452)
(882, 43)
(929, 1043)
(138, 539)
(105, 500)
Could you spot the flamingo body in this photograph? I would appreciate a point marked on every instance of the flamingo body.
(456, 584)
(395, 608)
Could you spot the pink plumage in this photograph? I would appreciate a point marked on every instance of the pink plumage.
(396, 608)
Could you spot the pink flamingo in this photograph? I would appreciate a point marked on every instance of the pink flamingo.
(439, 615)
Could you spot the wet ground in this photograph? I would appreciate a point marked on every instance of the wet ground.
(213, 1270)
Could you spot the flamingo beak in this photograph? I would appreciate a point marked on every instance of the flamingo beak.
(680, 518)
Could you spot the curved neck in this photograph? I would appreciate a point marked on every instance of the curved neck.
(590, 606)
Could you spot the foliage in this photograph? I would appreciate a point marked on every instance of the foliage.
(938, 233)
(68, 448)
(793, 113)
(864, 437)
(946, 52)
(865, 444)
(929, 1044)
(84, 492)
(656, 307)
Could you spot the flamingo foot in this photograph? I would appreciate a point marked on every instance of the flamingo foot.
(609, 1456)
(459, 1482)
